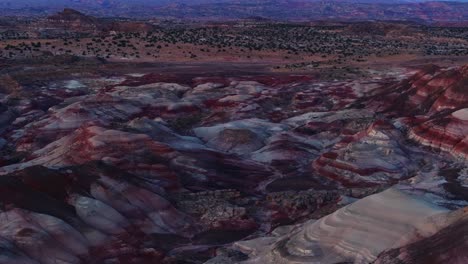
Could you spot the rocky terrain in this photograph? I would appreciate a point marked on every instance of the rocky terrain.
(157, 167)
(254, 134)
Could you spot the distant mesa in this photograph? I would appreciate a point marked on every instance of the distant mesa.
(71, 19)
(69, 14)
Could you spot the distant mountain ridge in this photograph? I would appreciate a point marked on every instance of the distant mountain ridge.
(414, 10)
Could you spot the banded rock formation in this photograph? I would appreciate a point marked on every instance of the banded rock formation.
(154, 168)
(357, 233)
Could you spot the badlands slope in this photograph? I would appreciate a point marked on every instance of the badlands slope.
(141, 168)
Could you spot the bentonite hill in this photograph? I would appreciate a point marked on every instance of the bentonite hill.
(246, 140)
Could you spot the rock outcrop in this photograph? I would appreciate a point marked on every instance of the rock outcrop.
(432, 105)
(357, 233)
(448, 245)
